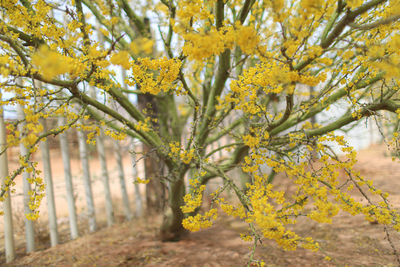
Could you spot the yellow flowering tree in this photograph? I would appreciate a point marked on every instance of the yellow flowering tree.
(211, 70)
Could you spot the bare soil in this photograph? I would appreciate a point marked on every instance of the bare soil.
(350, 241)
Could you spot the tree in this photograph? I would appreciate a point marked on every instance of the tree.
(207, 62)
(26, 186)
(138, 196)
(84, 156)
(121, 176)
(9, 243)
(48, 177)
(70, 196)
(105, 178)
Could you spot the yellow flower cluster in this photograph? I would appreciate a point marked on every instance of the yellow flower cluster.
(198, 222)
(187, 155)
(178, 153)
(51, 63)
(193, 10)
(115, 135)
(121, 58)
(91, 137)
(144, 126)
(142, 45)
(324, 211)
(318, 195)
(272, 221)
(251, 141)
(247, 238)
(203, 45)
(231, 210)
(36, 195)
(247, 38)
(311, 4)
(269, 78)
(141, 181)
(193, 200)
(354, 3)
(199, 46)
(155, 75)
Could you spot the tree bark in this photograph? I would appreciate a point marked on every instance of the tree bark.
(83, 153)
(155, 190)
(171, 228)
(51, 206)
(68, 181)
(8, 221)
(138, 196)
(104, 172)
(48, 177)
(121, 176)
(29, 228)
(105, 178)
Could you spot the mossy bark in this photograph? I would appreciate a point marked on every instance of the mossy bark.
(171, 228)
(155, 190)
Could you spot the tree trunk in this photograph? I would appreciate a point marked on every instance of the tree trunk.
(29, 228)
(104, 171)
(83, 153)
(155, 190)
(121, 175)
(51, 206)
(171, 228)
(138, 196)
(48, 177)
(8, 222)
(68, 181)
(105, 178)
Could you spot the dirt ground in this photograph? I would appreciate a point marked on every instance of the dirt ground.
(347, 241)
